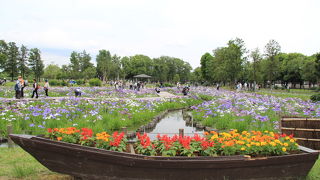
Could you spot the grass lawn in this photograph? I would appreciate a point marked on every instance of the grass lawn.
(18, 164)
(303, 94)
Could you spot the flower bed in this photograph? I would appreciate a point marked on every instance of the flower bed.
(254, 143)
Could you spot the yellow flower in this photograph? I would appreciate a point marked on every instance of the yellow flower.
(277, 141)
(292, 140)
(285, 144)
(272, 143)
(263, 143)
(244, 132)
(287, 138)
(240, 142)
(243, 148)
(257, 144)
(249, 145)
(271, 134)
(266, 131)
(284, 149)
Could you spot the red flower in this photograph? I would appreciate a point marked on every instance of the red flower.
(50, 130)
(86, 133)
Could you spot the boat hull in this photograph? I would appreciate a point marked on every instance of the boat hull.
(92, 163)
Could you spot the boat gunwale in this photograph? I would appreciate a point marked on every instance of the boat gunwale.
(305, 151)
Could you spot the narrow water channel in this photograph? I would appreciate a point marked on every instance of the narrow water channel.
(171, 124)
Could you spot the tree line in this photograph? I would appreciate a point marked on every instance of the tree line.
(15, 61)
(234, 63)
(113, 67)
(22, 61)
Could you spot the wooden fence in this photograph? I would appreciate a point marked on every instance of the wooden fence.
(305, 130)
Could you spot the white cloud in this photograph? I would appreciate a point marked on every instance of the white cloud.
(184, 29)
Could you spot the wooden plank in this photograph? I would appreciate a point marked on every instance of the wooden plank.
(307, 139)
(300, 119)
(294, 119)
(300, 129)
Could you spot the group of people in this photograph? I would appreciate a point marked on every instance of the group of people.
(247, 86)
(137, 85)
(21, 84)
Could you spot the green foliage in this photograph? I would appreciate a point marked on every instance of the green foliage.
(11, 65)
(79, 66)
(168, 85)
(206, 66)
(95, 82)
(176, 78)
(315, 97)
(36, 63)
(52, 71)
(55, 82)
(80, 82)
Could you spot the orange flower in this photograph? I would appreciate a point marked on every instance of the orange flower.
(59, 138)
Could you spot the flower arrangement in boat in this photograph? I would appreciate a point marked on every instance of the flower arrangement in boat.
(253, 143)
(85, 136)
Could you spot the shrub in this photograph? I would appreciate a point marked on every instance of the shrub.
(64, 83)
(95, 82)
(168, 85)
(80, 82)
(315, 97)
(55, 82)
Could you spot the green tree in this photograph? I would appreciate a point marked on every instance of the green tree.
(104, 64)
(74, 65)
(11, 65)
(206, 66)
(116, 70)
(317, 61)
(84, 62)
(160, 69)
(35, 63)
(52, 71)
(22, 61)
(176, 78)
(196, 75)
(90, 73)
(256, 57)
(309, 71)
(272, 49)
(229, 61)
(3, 54)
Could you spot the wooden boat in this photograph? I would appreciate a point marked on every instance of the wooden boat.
(92, 163)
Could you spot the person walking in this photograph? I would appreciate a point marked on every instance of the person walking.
(22, 86)
(35, 88)
(46, 87)
(17, 88)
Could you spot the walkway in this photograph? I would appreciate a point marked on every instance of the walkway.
(161, 95)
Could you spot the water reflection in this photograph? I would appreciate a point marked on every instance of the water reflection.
(171, 124)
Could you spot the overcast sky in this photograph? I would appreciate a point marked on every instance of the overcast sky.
(183, 29)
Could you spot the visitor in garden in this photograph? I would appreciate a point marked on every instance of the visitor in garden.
(157, 89)
(46, 87)
(185, 90)
(22, 83)
(138, 86)
(36, 86)
(17, 88)
(77, 92)
(178, 85)
(218, 86)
